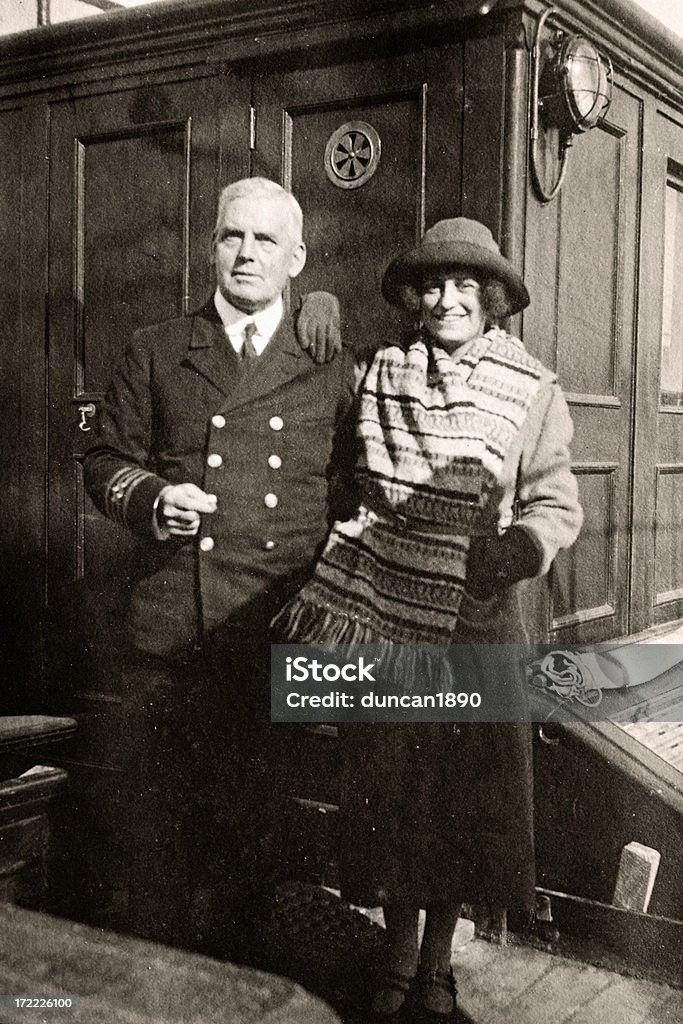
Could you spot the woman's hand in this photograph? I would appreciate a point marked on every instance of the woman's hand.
(495, 563)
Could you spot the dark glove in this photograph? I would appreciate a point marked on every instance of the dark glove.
(495, 563)
(318, 326)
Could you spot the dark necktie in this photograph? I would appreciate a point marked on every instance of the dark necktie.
(249, 353)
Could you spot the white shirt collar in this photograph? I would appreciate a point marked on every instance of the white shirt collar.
(235, 320)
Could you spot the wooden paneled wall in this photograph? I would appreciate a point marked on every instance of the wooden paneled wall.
(659, 413)
(23, 241)
(112, 161)
(581, 271)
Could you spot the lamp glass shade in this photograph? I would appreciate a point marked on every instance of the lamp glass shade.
(587, 83)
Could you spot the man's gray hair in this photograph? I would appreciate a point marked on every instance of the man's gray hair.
(260, 188)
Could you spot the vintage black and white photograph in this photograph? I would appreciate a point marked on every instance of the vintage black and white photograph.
(341, 490)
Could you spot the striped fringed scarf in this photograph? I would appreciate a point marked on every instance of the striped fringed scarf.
(434, 433)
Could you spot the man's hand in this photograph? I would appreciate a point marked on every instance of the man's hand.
(180, 509)
(318, 326)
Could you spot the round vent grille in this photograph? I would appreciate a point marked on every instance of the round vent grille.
(352, 154)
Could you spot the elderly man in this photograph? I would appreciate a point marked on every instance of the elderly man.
(220, 445)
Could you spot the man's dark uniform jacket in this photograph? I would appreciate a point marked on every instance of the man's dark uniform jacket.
(272, 440)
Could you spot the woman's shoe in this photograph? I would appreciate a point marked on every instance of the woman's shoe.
(436, 996)
(390, 995)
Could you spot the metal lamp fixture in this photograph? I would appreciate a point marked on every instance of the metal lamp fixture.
(572, 94)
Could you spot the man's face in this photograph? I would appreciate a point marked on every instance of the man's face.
(256, 251)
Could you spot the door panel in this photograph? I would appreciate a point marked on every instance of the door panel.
(408, 109)
(580, 269)
(21, 379)
(413, 104)
(658, 554)
(134, 179)
(131, 252)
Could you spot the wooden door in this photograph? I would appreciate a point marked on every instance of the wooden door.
(580, 267)
(134, 178)
(372, 151)
(658, 532)
(133, 185)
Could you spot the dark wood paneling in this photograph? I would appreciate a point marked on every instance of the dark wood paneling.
(131, 210)
(13, 439)
(347, 248)
(542, 269)
(483, 129)
(23, 134)
(210, 30)
(594, 794)
(580, 270)
(10, 233)
(131, 246)
(412, 101)
(25, 833)
(643, 945)
(589, 251)
(659, 431)
(584, 583)
(134, 181)
(669, 534)
(124, 206)
(515, 150)
(134, 178)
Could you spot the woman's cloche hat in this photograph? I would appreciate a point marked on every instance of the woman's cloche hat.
(458, 242)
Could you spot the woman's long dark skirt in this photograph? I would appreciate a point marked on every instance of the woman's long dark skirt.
(443, 811)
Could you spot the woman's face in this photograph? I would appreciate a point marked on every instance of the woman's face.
(451, 308)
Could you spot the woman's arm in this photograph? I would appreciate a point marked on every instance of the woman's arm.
(547, 492)
(549, 516)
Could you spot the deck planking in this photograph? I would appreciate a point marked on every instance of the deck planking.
(520, 985)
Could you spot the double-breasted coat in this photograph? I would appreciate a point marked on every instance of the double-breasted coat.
(270, 443)
(270, 440)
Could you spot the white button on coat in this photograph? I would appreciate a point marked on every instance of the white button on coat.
(274, 461)
(214, 460)
(206, 544)
(276, 423)
(218, 421)
(270, 500)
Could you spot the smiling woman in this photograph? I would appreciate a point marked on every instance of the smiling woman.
(452, 309)
(458, 425)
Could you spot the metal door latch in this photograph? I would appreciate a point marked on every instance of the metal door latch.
(86, 411)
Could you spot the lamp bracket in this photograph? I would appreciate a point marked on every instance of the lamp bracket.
(568, 118)
(544, 195)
